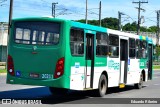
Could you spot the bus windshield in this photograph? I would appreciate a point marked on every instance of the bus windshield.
(41, 33)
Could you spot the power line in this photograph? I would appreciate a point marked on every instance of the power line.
(151, 20)
(1, 1)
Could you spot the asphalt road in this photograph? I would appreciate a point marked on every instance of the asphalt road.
(114, 96)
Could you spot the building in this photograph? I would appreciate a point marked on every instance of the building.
(149, 34)
(3, 41)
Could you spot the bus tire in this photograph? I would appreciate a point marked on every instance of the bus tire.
(102, 86)
(140, 84)
(58, 91)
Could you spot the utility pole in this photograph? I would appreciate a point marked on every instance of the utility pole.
(100, 8)
(119, 20)
(10, 15)
(86, 11)
(54, 9)
(2, 34)
(139, 10)
(157, 41)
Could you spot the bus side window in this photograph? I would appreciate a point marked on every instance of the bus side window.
(132, 46)
(141, 49)
(113, 45)
(101, 44)
(144, 47)
(77, 42)
(138, 49)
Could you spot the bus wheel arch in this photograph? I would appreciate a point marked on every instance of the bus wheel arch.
(106, 74)
(142, 78)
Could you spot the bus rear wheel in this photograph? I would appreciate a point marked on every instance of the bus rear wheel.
(58, 91)
(140, 84)
(102, 86)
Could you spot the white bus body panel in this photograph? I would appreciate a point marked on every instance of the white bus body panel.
(77, 78)
(113, 71)
(122, 72)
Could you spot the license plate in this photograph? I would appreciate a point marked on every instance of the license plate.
(34, 75)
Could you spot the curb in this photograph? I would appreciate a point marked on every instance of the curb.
(1, 74)
(156, 69)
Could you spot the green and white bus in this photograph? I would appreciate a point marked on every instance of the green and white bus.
(66, 55)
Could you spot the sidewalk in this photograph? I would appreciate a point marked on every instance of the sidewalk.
(3, 74)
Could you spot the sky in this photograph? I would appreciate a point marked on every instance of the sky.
(75, 9)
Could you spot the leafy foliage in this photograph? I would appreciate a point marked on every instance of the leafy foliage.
(158, 51)
(112, 23)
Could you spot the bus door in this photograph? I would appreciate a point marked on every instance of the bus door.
(123, 61)
(89, 71)
(150, 61)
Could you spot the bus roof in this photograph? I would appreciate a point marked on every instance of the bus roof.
(40, 19)
(88, 26)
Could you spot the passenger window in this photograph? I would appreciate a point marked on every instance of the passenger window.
(27, 33)
(141, 47)
(101, 44)
(43, 33)
(138, 53)
(22, 36)
(77, 42)
(113, 45)
(38, 37)
(144, 49)
(132, 46)
(19, 33)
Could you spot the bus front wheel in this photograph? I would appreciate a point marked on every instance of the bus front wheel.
(102, 86)
(58, 91)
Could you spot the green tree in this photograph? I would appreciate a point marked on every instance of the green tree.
(130, 27)
(143, 29)
(82, 21)
(158, 51)
(152, 29)
(111, 23)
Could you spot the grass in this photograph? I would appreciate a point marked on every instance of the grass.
(156, 67)
(3, 70)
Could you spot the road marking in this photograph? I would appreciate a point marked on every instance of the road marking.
(156, 84)
(155, 77)
(28, 87)
(145, 85)
(156, 73)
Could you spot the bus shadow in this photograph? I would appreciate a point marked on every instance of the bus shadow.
(118, 90)
(25, 93)
(43, 94)
(74, 97)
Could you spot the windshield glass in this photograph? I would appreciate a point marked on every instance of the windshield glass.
(42, 33)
